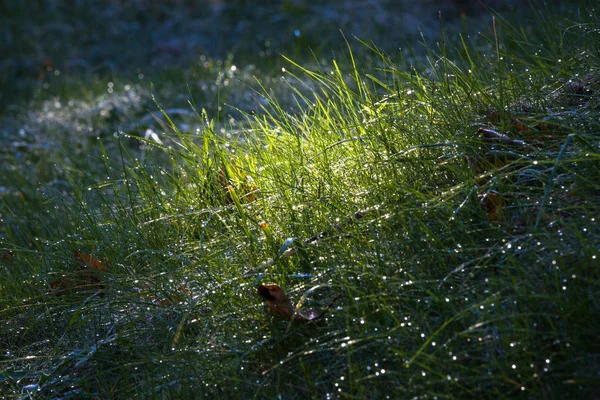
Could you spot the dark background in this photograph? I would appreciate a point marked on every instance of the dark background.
(82, 37)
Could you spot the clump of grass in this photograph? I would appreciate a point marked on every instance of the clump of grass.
(450, 206)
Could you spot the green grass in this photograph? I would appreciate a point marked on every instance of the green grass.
(467, 266)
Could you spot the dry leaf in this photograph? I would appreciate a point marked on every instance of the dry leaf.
(519, 125)
(85, 278)
(280, 304)
(89, 260)
(493, 203)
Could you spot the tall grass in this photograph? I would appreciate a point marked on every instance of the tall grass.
(465, 261)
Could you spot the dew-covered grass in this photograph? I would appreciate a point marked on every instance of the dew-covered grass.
(441, 205)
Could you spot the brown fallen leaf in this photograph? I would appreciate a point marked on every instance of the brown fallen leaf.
(280, 304)
(87, 276)
(89, 260)
(519, 125)
(493, 203)
(277, 301)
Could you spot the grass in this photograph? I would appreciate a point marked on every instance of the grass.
(465, 260)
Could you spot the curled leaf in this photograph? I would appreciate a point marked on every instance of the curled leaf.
(277, 301)
(280, 304)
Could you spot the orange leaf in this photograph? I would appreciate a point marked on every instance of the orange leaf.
(85, 277)
(279, 303)
(519, 125)
(89, 260)
(493, 203)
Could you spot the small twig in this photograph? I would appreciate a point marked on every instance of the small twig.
(500, 138)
